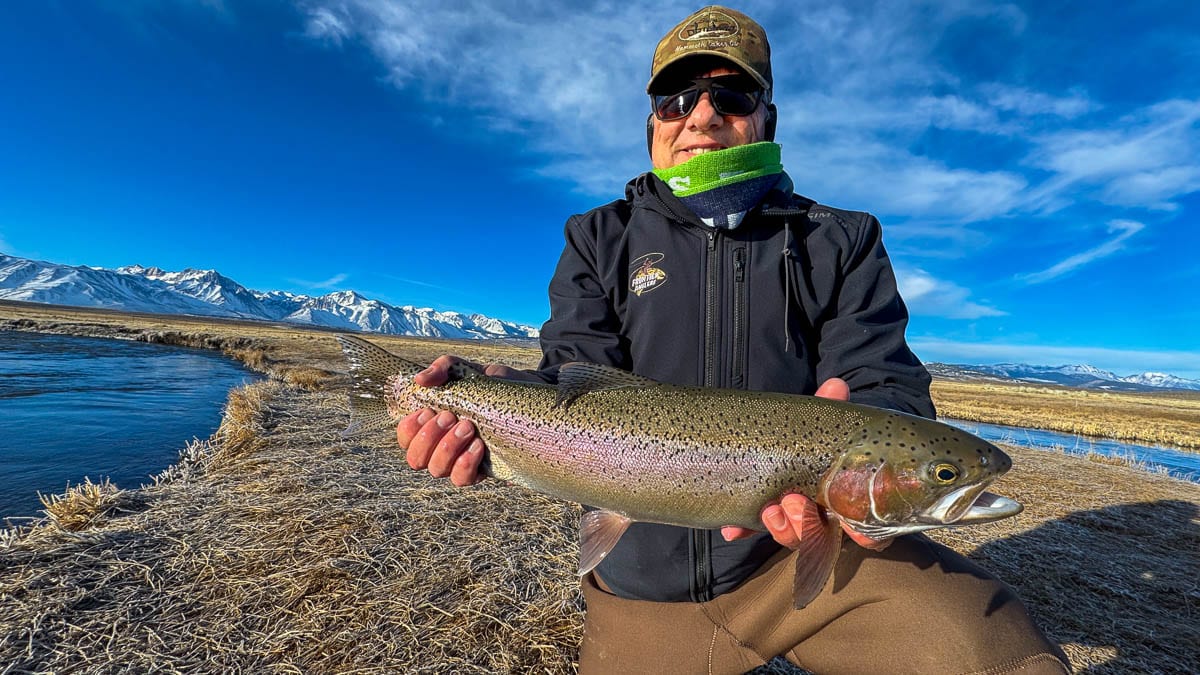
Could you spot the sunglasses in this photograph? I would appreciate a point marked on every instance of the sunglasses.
(736, 95)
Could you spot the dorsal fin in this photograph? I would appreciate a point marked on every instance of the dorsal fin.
(577, 378)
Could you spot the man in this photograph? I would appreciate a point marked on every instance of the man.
(712, 272)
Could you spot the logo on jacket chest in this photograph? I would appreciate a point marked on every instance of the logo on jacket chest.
(644, 276)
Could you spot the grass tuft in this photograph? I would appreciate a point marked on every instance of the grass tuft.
(309, 379)
(241, 432)
(81, 507)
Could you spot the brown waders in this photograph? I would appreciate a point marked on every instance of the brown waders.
(916, 607)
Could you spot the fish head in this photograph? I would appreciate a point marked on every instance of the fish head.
(906, 474)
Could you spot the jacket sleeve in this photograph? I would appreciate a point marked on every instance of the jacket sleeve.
(583, 325)
(863, 342)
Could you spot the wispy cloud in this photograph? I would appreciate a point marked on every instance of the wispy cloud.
(1028, 102)
(332, 283)
(416, 282)
(1122, 231)
(1145, 159)
(1119, 361)
(929, 296)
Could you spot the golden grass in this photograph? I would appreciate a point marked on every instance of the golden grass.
(80, 507)
(1169, 418)
(312, 379)
(277, 546)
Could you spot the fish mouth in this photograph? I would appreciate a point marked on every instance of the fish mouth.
(970, 505)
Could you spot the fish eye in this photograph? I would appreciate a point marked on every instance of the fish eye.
(945, 473)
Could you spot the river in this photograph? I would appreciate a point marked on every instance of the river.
(72, 407)
(1176, 462)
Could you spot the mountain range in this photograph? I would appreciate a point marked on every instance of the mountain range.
(1086, 377)
(208, 293)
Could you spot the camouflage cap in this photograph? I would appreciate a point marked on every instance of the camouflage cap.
(716, 31)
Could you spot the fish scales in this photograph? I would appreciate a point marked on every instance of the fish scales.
(646, 452)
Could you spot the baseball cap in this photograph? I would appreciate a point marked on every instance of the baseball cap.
(716, 31)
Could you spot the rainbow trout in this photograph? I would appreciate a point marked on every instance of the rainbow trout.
(639, 450)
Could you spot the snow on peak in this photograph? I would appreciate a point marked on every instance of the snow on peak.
(210, 293)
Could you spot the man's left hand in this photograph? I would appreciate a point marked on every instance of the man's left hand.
(785, 518)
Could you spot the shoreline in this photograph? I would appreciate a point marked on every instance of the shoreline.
(276, 545)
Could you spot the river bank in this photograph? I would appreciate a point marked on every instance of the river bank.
(75, 406)
(276, 545)
(1157, 418)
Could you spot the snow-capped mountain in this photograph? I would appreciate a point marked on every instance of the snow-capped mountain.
(1077, 376)
(1088, 377)
(209, 293)
(1161, 380)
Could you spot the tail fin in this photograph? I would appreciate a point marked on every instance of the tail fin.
(371, 368)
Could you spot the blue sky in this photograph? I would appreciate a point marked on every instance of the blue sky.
(1036, 165)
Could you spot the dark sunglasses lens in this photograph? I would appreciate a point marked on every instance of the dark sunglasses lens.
(676, 106)
(731, 102)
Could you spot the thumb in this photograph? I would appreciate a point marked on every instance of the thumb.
(834, 388)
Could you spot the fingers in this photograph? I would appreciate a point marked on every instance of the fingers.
(451, 445)
(438, 372)
(442, 443)
(733, 533)
(408, 427)
(785, 520)
(466, 467)
(420, 450)
(835, 388)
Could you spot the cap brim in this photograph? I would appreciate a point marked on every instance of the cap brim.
(708, 52)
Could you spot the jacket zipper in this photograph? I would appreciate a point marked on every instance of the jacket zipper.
(701, 546)
(739, 317)
(712, 269)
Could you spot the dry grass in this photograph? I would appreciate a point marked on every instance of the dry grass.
(308, 555)
(312, 379)
(276, 546)
(80, 507)
(1168, 418)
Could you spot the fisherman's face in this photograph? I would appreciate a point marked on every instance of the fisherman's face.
(705, 129)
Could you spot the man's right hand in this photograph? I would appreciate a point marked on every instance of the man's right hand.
(438, 440)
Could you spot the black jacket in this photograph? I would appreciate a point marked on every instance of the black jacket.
(797, 294)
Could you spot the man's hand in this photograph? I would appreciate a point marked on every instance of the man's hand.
(438, 440)
(785, 519)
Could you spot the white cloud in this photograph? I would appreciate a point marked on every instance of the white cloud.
(1120, 361)
(1146, 159)
(566, 79)
(324, 24)
(1025, 101)
(928, 296)
(333, 282)
(1122, 229)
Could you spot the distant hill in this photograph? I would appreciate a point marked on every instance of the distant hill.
(1083, 376)
(209, 293)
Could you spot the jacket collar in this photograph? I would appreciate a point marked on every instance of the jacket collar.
(648, 191)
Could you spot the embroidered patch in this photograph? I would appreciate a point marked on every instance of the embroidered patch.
(645, 276)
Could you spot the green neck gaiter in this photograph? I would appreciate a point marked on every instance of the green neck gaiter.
(721, 187)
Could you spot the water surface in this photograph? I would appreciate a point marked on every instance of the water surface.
(1176, 462)
(72, 407)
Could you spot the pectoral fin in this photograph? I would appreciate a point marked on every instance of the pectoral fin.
(598, 534)
(820, 543)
